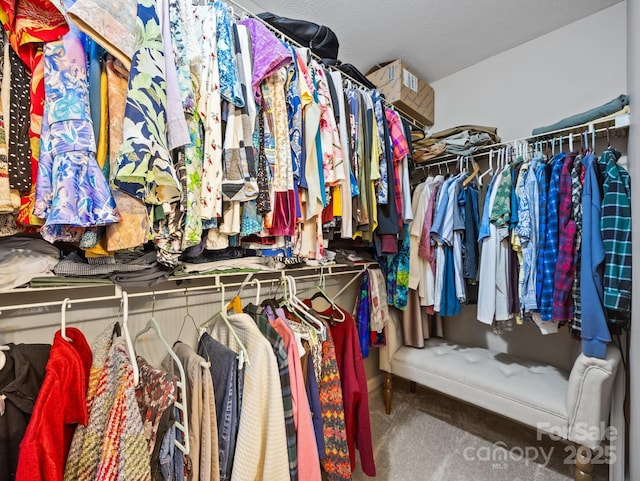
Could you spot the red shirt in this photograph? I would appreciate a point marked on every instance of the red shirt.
(60, 406)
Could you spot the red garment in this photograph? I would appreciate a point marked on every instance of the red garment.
(29, 22)
(60, 406)
(355, 393)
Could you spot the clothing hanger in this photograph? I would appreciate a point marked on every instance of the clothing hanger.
(473, 174)
(303, 310)
(257, 283)
(63, 320)
(124, 306)
(322, 294)
(204, 364)
(152, 325)
(299, 309)
(489, 170)
(235, 304)
(243, 355)
(187, 315)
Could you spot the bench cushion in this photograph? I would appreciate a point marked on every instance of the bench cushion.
(525, 391)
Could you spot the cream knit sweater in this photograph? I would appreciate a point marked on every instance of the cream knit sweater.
(261, 450)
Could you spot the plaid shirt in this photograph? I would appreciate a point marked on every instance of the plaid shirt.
(565, 267)
(400, 150)
(615, 225)
(550, 253)
(577, 178)
(543, 189)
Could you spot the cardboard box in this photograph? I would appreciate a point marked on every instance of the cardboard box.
(404, 90)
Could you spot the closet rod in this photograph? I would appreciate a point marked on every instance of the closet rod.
(118, 291)
(416, 123)
(546, 137)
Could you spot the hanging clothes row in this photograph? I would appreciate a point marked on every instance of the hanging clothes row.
(275, 391)
(182, 125)
(545, 239)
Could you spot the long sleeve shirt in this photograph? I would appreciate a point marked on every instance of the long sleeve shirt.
(615, 225)
(595, 333)
(354, 389)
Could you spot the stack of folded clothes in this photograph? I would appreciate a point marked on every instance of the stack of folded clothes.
(462, 140)
(128, 268)
(23, 258)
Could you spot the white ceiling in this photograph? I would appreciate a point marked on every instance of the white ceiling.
(435, 37)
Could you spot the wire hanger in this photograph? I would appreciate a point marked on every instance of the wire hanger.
(321, 293)
(63, 320)
(152, 325)
(243, 355)
(187, 315)
(124, 305)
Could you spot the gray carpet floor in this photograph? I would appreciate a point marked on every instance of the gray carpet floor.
(432, 437)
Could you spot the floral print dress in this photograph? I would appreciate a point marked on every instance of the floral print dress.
(72, 191)
(145, 168)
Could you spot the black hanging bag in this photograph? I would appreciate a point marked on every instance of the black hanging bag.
(319, 38)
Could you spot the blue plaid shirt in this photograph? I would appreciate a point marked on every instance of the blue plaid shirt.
(550, 253)
(543, 189)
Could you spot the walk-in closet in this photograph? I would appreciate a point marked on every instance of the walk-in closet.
(294, 241)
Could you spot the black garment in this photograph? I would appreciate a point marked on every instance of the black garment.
(407, 133)
(388, 213)
(19, 122)
(20, 382)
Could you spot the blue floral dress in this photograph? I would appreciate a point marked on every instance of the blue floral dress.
(71, 191)
(144, 165)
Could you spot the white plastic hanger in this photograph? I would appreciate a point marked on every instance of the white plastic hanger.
(303, 310)
(243, 355)
(124, 303)
(489, 170)
(258, 287)
(152, 325)
(63, 320)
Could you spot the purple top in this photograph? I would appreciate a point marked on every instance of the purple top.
(269, 53)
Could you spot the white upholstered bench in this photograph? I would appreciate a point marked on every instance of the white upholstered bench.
(573, 405)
